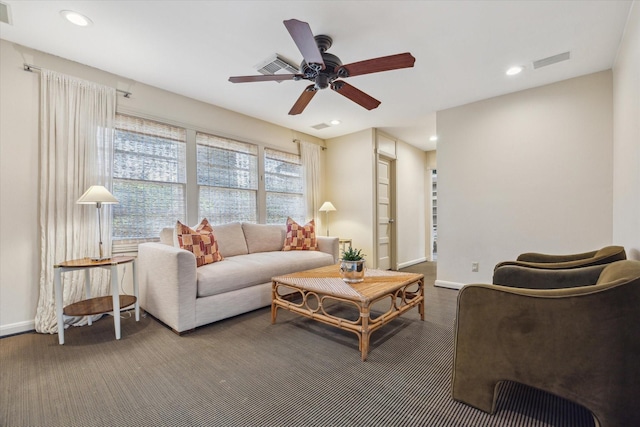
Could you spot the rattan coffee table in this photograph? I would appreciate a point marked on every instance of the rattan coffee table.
(322, 287)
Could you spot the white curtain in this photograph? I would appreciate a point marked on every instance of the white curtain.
(76, 151)
(310, 158)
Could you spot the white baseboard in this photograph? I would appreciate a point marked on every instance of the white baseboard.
(17, 328)
(410, 263)
(450, 285)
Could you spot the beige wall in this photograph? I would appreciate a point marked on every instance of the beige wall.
(349, 186)
(19, 118)
(626, 137)
(528, 171)
(411, 196)
(431, 159)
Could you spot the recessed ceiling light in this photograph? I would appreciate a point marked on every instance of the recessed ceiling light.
(76, 18)
(434, 138)
(514, 70)
(335, 122)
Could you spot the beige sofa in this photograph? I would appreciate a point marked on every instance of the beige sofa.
(184, 297)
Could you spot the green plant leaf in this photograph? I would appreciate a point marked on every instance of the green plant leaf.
(352, 254)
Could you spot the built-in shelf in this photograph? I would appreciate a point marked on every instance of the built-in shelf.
(434, 213)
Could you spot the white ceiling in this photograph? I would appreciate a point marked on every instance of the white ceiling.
(462, 49)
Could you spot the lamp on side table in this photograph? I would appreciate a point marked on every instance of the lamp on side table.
(99, 195)
(327, 207)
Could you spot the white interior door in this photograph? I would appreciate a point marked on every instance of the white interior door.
(385, 214)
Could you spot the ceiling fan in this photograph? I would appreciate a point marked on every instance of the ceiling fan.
(326, 69)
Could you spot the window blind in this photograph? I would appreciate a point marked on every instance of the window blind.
(284, 186)
(149, 178)
(227, 173)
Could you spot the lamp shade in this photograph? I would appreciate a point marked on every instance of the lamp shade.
(97, 194)
(327, 207)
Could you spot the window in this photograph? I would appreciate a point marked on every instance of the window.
(149, 177)
(163, 173)
(284, 186)
(227, 179)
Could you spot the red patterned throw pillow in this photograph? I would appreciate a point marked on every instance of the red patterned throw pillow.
(300, 237)
(201, 242)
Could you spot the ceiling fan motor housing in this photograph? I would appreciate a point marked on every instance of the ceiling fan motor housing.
(322, 77)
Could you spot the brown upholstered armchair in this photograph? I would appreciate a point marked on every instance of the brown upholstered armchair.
(580, 343)
(606, 255)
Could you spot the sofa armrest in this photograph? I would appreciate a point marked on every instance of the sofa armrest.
(168, 284)
(329, 245)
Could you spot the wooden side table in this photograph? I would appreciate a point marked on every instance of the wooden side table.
(344, 243)
(91, 306)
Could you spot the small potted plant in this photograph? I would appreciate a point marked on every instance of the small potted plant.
(352, 266)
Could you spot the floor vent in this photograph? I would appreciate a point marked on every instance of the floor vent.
(275, 64)
(551, 60)
(4, 13)
(321, 126)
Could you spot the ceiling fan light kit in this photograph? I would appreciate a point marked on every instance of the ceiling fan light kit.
(325, 69)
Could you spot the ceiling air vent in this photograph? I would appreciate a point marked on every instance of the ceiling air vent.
(276, 64)
(4, 13)
(551, 60)
(321, 126)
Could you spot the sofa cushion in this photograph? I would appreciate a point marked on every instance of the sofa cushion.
(201, 242)
(253, 269)
(264, 238)
(231, 239)
(300, 237)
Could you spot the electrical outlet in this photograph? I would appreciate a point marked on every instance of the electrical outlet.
(475, 266)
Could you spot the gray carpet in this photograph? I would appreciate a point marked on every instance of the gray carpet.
(246, 372)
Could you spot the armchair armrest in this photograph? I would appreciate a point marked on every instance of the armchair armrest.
(168, 284)
(538, 257)
(525, 277)
(548, 265)
(606, 255)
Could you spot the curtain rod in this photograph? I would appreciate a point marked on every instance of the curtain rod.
(33, 69)
(297, 141)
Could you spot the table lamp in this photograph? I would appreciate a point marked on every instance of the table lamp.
(99, 195)
(327, 207)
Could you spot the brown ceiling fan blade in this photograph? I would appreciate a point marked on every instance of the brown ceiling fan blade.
(303, 100)
(376, 65)
(265, 78)
(303, 37)
(356, 95)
